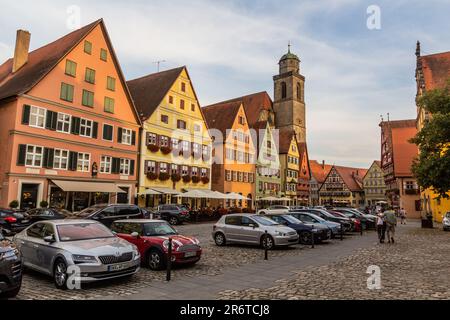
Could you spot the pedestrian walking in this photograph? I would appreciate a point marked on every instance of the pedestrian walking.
(391, 223)
(403, 216)
(381, 227)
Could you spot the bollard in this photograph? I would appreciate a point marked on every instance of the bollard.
(266, 250)
(342, 231)
(169, 261)
(312, 237)
(362, 227)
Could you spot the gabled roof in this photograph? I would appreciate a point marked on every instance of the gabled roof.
(285, 137)
(221, 116)
(435, 69)
(352, 177)
(376, 162)
(253, 105)
(40, 62)
(303, 150)
(404, 152)
(319, 171)
(149, 91)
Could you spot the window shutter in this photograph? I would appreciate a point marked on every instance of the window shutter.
(147, 138)
(133, 138)
(76, 125)
(132, 165)
(119, 135)
(52, 118)
(54, 121)
(95, 130)
(145, 167)
(26, 114)
(73, 159)
(157, 168)
(21, 155)
(49, 155)
(115, 166)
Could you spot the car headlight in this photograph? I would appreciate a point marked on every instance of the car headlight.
(280, 234)
(136, 253)
(446, 221)
(77, 258)
(8, 254)
(166, 245)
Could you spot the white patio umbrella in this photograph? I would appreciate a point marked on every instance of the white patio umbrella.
(235, 196)
(193, 194)
(269, 199)
(150, 192)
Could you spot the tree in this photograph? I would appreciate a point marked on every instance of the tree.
(432, 167)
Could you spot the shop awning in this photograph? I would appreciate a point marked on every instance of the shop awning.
(166, 191)
(79, 186)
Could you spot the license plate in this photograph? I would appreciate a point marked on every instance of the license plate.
(190, 254)
(118, 267)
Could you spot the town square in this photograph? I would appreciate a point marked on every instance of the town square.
(241, 151)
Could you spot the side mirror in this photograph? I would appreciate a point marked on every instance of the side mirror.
(49, 239)
(252, 225)
(135, 235)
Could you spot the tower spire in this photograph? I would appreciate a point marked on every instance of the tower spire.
(418, 49)
(289, 46)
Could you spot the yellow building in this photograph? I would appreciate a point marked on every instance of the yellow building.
(175, 142)
(432, 73)
(290, 164)
(374, 186)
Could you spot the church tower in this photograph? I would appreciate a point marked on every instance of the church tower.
(289, 96)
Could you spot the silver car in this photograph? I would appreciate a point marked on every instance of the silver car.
(76, 250)
(251, 229)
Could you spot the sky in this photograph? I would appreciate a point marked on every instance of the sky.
(353, 73)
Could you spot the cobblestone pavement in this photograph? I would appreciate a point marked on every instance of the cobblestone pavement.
(415, 267)
(214, 259)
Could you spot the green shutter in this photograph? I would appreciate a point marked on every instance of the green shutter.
(88, 47)
(111, 84)
(109, 105)
(103, 54)
(66, 92)
(88, 98)
(71, 68)
(90, 75)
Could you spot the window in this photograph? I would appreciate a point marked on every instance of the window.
(184, 170)
(88, 47)
(37, 117)
(241, 120)
(171, 99)
(164, 141)
(241, 177)
(66, 92)
(228, 175)
(183, 87)
(152, 139)
(175, 143)
(204, 173)
(181, 124)
(105, 164)
(111, 83)
(71, 68)
(103, 55)
(90, 75)
(193, 107)
(205, 151)
(234, 175)
(125, 165)
(63, 123)
(185, 146)
(107, 132)
(163, 168)
(174, 169)
(88, 98)
(182, 104)
(151, 167)
(165, 119)
(86, 128)
(245, 176)
(34, 156)
(109, 105)
(61, 159)
(283, 90)
(127, 136)
(84, 162)
(197, 128)
(196, 148)
(251, 178)
(194, 171)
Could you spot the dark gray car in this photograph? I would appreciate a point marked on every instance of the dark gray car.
(10, 269)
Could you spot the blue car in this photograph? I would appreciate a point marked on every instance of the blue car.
(321, 232)
(312, 218)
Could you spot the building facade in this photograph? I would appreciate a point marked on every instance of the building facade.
(374, 186)
(69, 129)
(432, 72)
(319, 173)
(290, 164)
(397, 155)
(233, 167)
(175, 142)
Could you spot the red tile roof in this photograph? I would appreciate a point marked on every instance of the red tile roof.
(285, 139)
(304, 158)
(149, 91)
(319, 171)
(436, 70)
(221, 116)
(40, 62)
(404, 152)
(352, 177)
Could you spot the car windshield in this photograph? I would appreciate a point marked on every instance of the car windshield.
(265, 221)
(158, 229)
(83, 231)
(291, 219)
(87, 212)
(317, 218)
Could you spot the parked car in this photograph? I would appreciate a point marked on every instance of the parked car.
(353, 217)
(274, 210)
(12, 222)
(306, 217)
(51, 247)
(251, 229)
(10, 269)
(324, 214)
(293, 208)
(446, 222)
(367, 221)
(108, 213)
(44, 214)
(151, 238)
(321, 233)
(173, 213)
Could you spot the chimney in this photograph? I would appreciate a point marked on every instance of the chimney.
(323, 164)
(21, 51)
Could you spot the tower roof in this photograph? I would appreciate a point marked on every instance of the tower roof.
(289, 55)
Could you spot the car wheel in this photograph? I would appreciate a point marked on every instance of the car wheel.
(219, 239)
(267, 242)
(305, 237)
(173, 221)
(155, 260)
(60, 275)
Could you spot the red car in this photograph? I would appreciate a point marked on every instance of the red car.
(356, 222)
(152, 239)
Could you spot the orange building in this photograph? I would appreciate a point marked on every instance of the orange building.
(68, 127)
(234, 168)
(319, 173)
